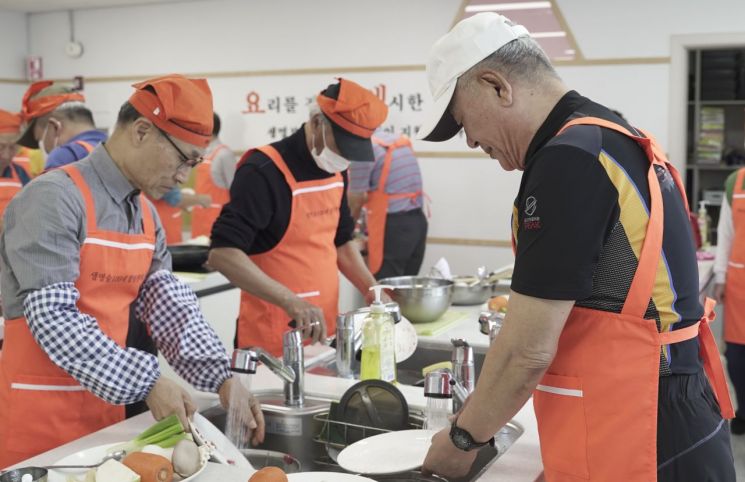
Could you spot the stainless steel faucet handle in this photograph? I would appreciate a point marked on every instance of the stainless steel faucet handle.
(244, 360)
(459, 342)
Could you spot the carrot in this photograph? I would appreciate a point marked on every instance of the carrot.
(150, 467)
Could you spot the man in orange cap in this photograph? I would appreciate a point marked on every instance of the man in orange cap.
(81, 245)
(58, 124)
(286, 231)
(12, 175)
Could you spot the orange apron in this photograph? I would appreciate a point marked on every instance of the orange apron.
(9, 187)
(377, 206)
(734, 288)
(202, 219)
(304, 260)
(42, 406)
(170, 218)
(596, 406)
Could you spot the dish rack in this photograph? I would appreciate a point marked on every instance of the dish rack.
(348, 433)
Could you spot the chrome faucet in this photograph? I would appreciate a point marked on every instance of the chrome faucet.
(464, 369)
(442, 384)
(490, 323)
(290, 369)
(349, 337)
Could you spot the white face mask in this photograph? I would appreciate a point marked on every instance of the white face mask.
(42, 147)
(328, 160)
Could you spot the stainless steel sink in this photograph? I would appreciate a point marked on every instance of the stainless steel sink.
(295, 431)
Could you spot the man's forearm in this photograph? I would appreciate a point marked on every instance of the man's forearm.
(246, 275)
(352, 266)
(515, 363)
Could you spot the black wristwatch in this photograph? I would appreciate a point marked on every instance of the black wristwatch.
(463, 440)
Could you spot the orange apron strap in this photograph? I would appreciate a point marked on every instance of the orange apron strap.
(90, 207)
(211, 156)
(87, 146)
(713, 361)
(642, 285)
(738, 188)
(275, 156)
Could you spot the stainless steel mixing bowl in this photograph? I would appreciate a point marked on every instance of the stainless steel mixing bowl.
(422, 300)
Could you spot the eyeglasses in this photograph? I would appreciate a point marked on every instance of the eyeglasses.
(185, 160)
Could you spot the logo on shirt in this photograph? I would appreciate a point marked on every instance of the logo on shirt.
(530, 205)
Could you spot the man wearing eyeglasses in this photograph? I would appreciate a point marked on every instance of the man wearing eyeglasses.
(81, 245)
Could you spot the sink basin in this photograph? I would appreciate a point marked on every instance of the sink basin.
(295, 431)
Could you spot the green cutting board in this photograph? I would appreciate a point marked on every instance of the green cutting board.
(449, 319)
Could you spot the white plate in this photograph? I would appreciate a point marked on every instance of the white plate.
(325, 477)
(406, 340)
(89, 456)
(387, 453)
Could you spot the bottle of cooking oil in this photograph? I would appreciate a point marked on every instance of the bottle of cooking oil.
(378, 342)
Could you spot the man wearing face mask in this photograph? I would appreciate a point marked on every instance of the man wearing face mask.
(286, 231)
(58, 124)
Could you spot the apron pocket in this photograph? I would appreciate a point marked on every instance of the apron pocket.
(562, 428)
(45, 412)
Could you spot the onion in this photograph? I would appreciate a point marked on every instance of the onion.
(186, 458)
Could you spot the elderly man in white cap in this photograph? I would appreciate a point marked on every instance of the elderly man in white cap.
(604, 327)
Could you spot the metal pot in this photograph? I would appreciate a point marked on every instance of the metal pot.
(422, 300)
(469, 290)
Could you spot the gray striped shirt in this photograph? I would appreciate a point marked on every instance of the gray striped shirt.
(404, 176)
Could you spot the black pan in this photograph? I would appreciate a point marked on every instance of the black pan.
(188, 257)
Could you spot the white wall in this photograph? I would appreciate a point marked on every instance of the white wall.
(471, 197)
(239, 35)
(12, 53)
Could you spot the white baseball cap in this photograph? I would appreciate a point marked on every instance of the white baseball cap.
(468, 43)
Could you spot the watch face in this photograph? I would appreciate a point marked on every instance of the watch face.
(461, 438)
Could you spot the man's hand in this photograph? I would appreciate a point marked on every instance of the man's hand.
(719, 292)
(168, 398)
(309, 318)
(249, 409)
(446, 459)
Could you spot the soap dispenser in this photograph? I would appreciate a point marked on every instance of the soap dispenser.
(378, 342)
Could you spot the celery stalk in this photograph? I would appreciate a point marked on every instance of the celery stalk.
(165, 433)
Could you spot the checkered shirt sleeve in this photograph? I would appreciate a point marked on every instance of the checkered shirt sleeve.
(75, 343)
(170, 310)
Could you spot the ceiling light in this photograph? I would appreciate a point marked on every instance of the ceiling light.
(560, 33)
(503, 7)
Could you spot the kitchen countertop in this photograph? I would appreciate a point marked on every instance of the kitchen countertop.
(521, 463)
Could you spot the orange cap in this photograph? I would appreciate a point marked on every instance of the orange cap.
(10, 122)
(178, 105)
(43, 97)
(355, 113)
(356, 109)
